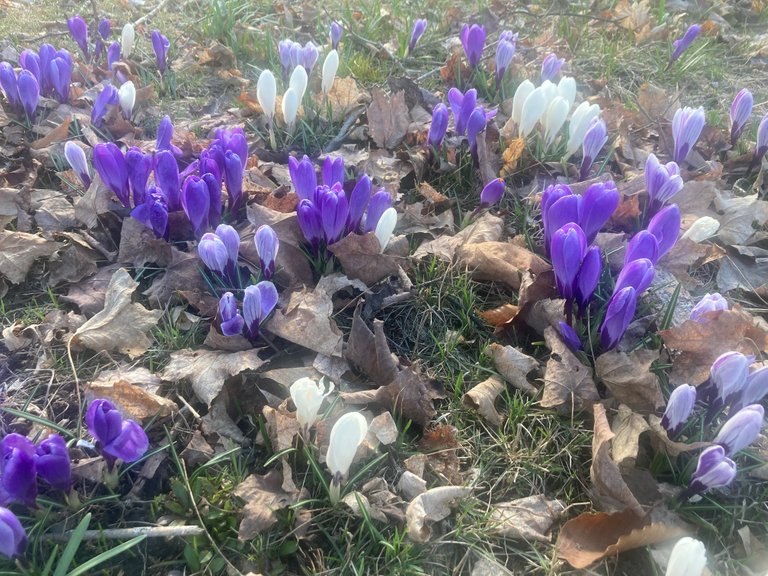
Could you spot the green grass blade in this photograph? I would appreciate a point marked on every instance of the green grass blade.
(71, 549)
(38, 420)
(104, 556)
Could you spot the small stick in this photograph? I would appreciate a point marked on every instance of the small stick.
(151, 13)
(128, 533)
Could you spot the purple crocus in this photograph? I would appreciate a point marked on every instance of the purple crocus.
(642, 245)
(333, 170)
(683, 43)
(713, 470)
(687, 125)
(113, 54)
(598, 204)
(107, 97)
(310, 222)
(417, 32)
(754, 390)
(550, 67)
(78, 162)
(214, 193)
(104, 28)
(762, 140)
(233, 177)
(569, 336)
(231, 239)
(160, 46)
(153, 212)
(708, 303)
(167, 178)
(79, 31)
(358, 202)
(13, 538)
(665, 226)
(438, 126)
(118, 438)
(165, 135)
(594, 140)
(309, 56)
(492, 192)
(618, 315)
(18, 471)
(679, 407)
(473, 40)
(728, 374)
(380, 201)
(231, 321)
(334, 210)
(9, 84)
(567, 251)
(60, 75)
(303, 177)
(741, 108)
(662, 181)
(556, 211)
(638, 274)
(29, 93)
(267, 245)
(213, 252)
(111, 167)
(741, 429)
(335, 33)
(47, 53)
(53, 464)
(139, 166)
(475, 126)
(258, 303)
(196, 202)
(588, 277)
(505, 51)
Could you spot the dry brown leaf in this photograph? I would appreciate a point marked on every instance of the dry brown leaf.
(501, 315)
(487, 228)
(344, 95)
(370, 353)
(55, 214)
(661, 441)
(19, 250)
(197, 451)
(383, 429)
(208, 370)
(411, 485)
(133, 400)
(181, 273)
(388, 118)
(528, 518)
(121, 325)
(629, 378)
(627, 427)
(263, 497)
(58, 134)
(139, 245)
(568, 384)
(500, 262)
(741, 218)
(482, 398)
(282, 426)
(73, 262)
(431, 506)
(511, 156)
(377, 500)
(96, 201)
(361, 258)
(514, 366)
(435, 201)
(88, 294)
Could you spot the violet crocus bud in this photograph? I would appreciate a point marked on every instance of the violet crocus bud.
(160, 46)
(708, 303)
(416, 33)
(284, 53)
(588, 277)
(214, 193)
(104, 28)
(569, 336)
(213, 252)
(113, 54)
(662, 181)
(310, 222)
(231, 321)
(18, 471)
(505, 51)
(196, 202)
(9, 84)
(60, 76)
(618, 315)
(638, 274)
(713, 470)
(762, 140)
(167, 178)
(358, 202)
(14, 540)
(119, 439)
(642, 245)
(687, 125)
(467, 105)
(29, 93)
(665, 226)
(29, 60)
(233, 177)
(111, 167)
(79, 31)
(475, 126)
(78, 162)
(550, 67)
(334, 209)
(267, 245)
(598, 204)
(303, 177)
(492, 192)
(754, 390)
(53, 463)
(139, 166)
(335, 34)
(561, 211)
(231, 239)
(47, 53)
(309, 56)
(683, 43)
(438, 126)
(165, 135)
(473, 40)
(153, 212)
(333, 170)
(258, 303)
(107, 97)
(567, 251)
(594, 140)
(729, 374)
(380, 202)
(741, 429)
(741, 108)
(679, 407)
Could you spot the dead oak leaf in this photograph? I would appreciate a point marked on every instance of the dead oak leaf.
(568, 384)
(361, 258)
(388, 118)
(121, 325)
(263, 497)
(629, 378)
(19, 250)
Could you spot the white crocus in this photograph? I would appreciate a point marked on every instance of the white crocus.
(522, 92)
(298, 81)
(346, 436)
(127, 97)
(533, 109)
(580, 121)
(549, 90)
(308, 395)
(290, 107)
(386, 226)
(266, 93)
(127, 39)
(566, 88)
(554, 118)
(330, 67)
(688, 558)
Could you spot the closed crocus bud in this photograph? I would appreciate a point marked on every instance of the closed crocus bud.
(505, 51)
(681, 44)
(120, 439)
(741, 429)
(47, 53)
(475, 126)
(160, 46)
(334, 210)
(741, 108)
(104, 28)
(267, 245)
(9, 84)
(167, 178)
(79, 31)
(588, 277)
(581, 120)
(687, 125)
(110, 164)
(333, 171)
(642, 245)
(29, 93)
(550, 67)
(618, 315)
(231, 239)
(214, 193)
(284, 52)
(127, 39)
(566, 89)
(60, 76)
(762, 139)
(688, 558)
(638, 274)
(567, 251)
(553, 119)
(298, 81)
(335, 34)
(521, 94)
(665, 226)
(561, 211)
(303, 177)
(29, 60)
(233, 177)
(709, 303)
(492, 192)
(153, 212)
(258, 303)
(53, 463)
(196, 203)
(309, 56)
(310, 222)
(754, 390)
(18, 471)
(346, 436)
(113, 54)
(231, 321)
(679, 408)
(290, 106)
(358, 202)
(139, 166)
(569, 336)
(13, 538)
(266, 93)
(438, 126)
(107, 97)
(165, 135)
(729, 374)
(127, 96)
(462, 105)
(385, 227)
(713, 470)
(662, 181)
(78, 162)
(308, 395)
(330, 67)
(213, 252)
(473, 40)
(380, 201)
(416, 32)
(598, 204)
(533, 109)
(594, 140)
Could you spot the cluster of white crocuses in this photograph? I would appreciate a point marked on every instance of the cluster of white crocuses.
(347, 433)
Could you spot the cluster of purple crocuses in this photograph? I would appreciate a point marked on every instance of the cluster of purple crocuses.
(293, 54)
(78, 28)
(470, 119)
(738, 115)
(473, 39)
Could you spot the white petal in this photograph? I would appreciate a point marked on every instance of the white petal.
(703, 228)
(127, 39)
(298, 81)
(385, 227)
(290, 105)
(578, 127)
(533, 109)
(346, 436)
(308, 396)
(127, 96)
(554, 119)
(566, 88)
(688, 558)
(522, 92)
(266, 92)
(330, 67)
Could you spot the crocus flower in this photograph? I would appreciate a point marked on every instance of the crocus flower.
(18, 471)
(569, 336)
(47, 53)
(284, 52)
(153, 212)
(618, 315)
(167, 178)
(267, 245)
(266, 93)
(214, 192)
(333, 172)
(688, 558)
(679, 407)
(754, 390)
(762, 140)
(380, 202)
(310, 222)
(127, 38)
(475, 126)
(687, 125)
(298, 81)
(714, 470)
(308, 395)
(554, 118)
(588, 277)
(534, 107)
(231, 239)
(741, 429)
(708, 303)
(665, 226)
(346, 436)
(741, 108)
(662, 181)
(160, 46)
(581, 120)
(231, 321)
(213, 252)
(594, 140)
(728, 374)
(233, 177)
(79, 31)
(53, 463)
(681, 44)
(290, 106)
(473, 40)
(385, 227)
(524, 90)
(416, 32)
(334, 210)
(309, 56)
(29, 93)
(438, 126)
(78, 162)
(113, 54)
(638, 274)
(139, 166)
(566, 89)
(30, 60)
(597, 205)
(111, 167)
(196, 203)
(562, 207)
(505, 51)
(104, 28)
(358, 202)
(258, 303)
(642, 245)
(127, 97)
(9, 84)
(567, 251)
(119, 439)
(492, 192)
(330, 67)
(13, 538)
(335, 34)
(462, 106)
(60, 76)
(303, 177)
(550, 67)
(165, 135)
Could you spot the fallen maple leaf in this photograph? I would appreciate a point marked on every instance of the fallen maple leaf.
(388, 118)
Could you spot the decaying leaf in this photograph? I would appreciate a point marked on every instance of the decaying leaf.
(629, 378)
(742, 217)
(361, 258)
(487, 228)
(568, 384)
(501, 315)
(627, 428)
(282, 426)
(19, 250)
(121, 325)
(182, 273)
(482, 398)
(411, 485)
(133, 400)
(661, 441)
(89, 294)
(74, 262)
(431, 506)
(514, 366)
(139, 245)
(263, 497)
(377, 500)
(500, 262)
(96, 201)
(388, 118)
(528, 518)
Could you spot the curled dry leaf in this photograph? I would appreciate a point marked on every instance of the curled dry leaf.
(121, 325)
(742, 217)
(19, 250)
(264, 497)
(138, 245)
(96, 201)
(487, 228)
(182, 273)
(388, 118)
(661, 441)
(411, 485)
(501, 315)
(482, 398)
(383, 428)
(627, 427)
(568, 384)
(629, 378)
(528, 518)
(133, 400)
(89, 294)
(377, 500)
(77, 260)
(431, 506)
(514, 366)
(282, 426)
(502, 262)
(361, 258)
